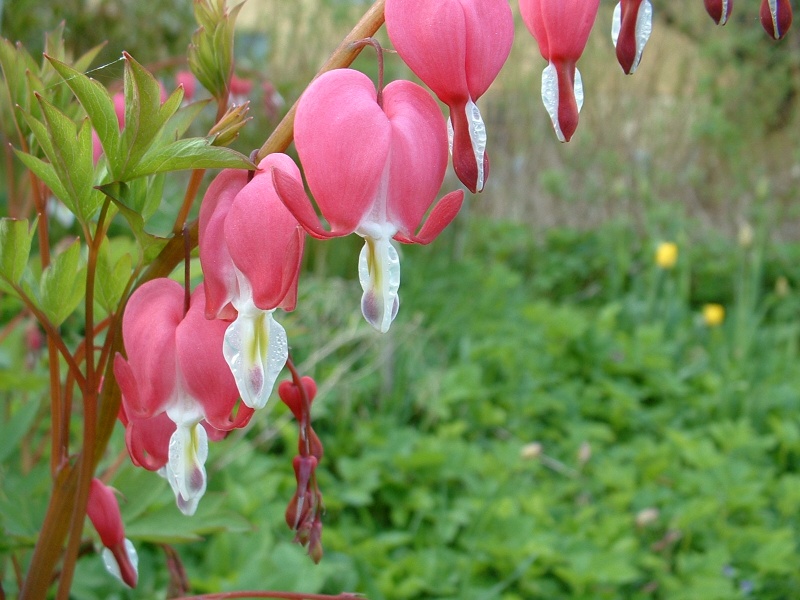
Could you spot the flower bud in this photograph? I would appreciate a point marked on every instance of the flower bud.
(713, 314)
(227, 128)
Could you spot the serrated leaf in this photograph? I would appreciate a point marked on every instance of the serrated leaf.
(149, 245)
(167, 525)
(181, 121)
(192, 153)
(63, 284)
(44, 171)
(15, 247)
(144, 115)
(71, 156)
(99, 106)
(113, 275)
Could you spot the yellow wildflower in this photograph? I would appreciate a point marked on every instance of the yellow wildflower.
(713, 314)
(666, 255)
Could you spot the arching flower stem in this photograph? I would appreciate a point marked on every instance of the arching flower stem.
(371, 41)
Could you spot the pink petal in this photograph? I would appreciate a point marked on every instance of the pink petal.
(418, 156)
(261, 235)
(490, 34)
(342, 138)
(148, 330)
(561, 27)
(219, 277)
(206, 376)
(442, 214)
(147, 441)
(415, 29)
(103, 512)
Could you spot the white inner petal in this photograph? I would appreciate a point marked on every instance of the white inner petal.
(550, 97)
(578, 89)
(450, 135)
(477, 135)
(773, 11)
(110, 561)
(616, 23)
(379, 275)
(256, 349)
(186, 472)
(724, 16)
(644, 27)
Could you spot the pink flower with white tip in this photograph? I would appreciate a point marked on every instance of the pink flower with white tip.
(719, 10)
(631, 26)
(175, 368)
(776, 17)
(119, 555)
(251, 248)
(561, 28)
(457, 47)
(373, 169)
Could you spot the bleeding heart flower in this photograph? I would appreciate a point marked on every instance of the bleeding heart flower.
(561, 28)
(119, 555)
(776, 17)
(457, 47)
(719, 10)
(251, 248)
(631, 26)
(189, 83)
(373, 170)
(174, 367)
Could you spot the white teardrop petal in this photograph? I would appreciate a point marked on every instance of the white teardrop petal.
(379, 275)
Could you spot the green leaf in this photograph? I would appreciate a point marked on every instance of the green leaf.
(181, 121)
(192, 153)
(69, 150)
(63, 284)
(15, 246)
(121, 194)
(112, 277)
(99, 106)
(144, 115)
(167, 525)
(45, 171)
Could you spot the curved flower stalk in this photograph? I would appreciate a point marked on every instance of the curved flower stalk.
(175, 383)
(119, 555)
(561, 28)
(776, 17)
(374, 170)
(251, 248)
(719, 10)
(631, 26)
(457, 47)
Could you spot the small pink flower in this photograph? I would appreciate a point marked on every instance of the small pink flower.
(251, 248)
(175, 367)
(373, 170)
(631, 26)
(561, 28)
(719, 10)
(457, 47)
(119, 554)
(776, 17)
